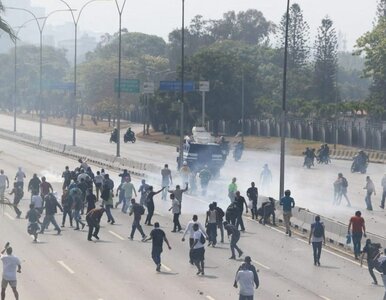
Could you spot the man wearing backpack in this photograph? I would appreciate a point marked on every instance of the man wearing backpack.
(317, 237)
(371, 250)
(138, 210)
(343, 189)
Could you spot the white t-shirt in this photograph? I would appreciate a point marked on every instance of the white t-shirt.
(189, 228)
(246, 282)
(37, 201)
(3, 180)
(20, 175)
(197, 236)
(10, 264)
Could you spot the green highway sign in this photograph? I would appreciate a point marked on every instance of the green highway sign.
(127, 85)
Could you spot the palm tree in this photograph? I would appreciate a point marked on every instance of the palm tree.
(4, 26)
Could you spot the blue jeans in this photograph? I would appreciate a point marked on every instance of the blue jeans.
(136, 225)
(368, 201)
(356, 240)
(77, 218)
(108, 213)
(156, 255)
(234, 239)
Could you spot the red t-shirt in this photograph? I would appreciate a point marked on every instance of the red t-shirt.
(357, 224)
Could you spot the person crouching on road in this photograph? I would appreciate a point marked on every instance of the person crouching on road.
(93, 219)
(235, 236)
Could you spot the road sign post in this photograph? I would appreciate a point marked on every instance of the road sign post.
(127, 86)
(203, 87)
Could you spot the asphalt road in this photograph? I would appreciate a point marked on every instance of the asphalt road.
(312, 189)
(70, 267)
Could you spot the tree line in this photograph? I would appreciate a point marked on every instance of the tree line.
(238, 49)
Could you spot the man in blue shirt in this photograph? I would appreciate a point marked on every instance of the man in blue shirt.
(288, 203)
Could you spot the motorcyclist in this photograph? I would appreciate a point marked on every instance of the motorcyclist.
(307, 155)
(129, 134)
(324, 153)
(114, 135)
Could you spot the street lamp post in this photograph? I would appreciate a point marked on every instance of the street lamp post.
(181, 153)
(76, 22)
(120, 11)
(15, 73)
(41, 28)
(242, 106)
(284, 109)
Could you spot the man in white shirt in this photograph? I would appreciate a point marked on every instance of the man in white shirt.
(4, 183)
(20, 175)
(198, 249)
(189, 229)
(245, 279)
(37, 201)
(10, 263)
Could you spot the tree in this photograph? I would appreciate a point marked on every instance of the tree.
(326, 62)
(4, 26)
(381, 9)
(298, 35)
(373, 45)
(248, 26)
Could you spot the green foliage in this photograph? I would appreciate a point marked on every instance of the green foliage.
(326, 62)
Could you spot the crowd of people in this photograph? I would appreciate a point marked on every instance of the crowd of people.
(87, 196)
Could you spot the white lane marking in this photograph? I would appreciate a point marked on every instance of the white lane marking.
(116, 235)
(323, 297)
(60, 262)
(209, 297)
(166, 268)
(261, 265)
(9, 216)
(337, 255)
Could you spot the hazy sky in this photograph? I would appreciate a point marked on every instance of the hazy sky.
(351, 17)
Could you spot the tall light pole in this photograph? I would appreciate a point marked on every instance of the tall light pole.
(41, 28)
(284, 108)
(181, 153)
(120, 12)
(15, 72)
(76, 22)
(242, 106)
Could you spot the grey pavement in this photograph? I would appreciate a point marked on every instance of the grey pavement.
(70, 267)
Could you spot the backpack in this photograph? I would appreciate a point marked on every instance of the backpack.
(202, 239)
(379, 264)
(141, 209)
(318, 230)
(373, 250)
(220, 213)
(344, 182)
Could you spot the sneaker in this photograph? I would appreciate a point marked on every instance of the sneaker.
(95, 236)
(198, 272)
(232, 257)
(83, 225)
(173, 231)
(89, 240)
(158, 269)
(59, 231)
(144, 238)
(62, 225)
(289, 233)
(112, 222)
(318, 263)
(77, 228)
(241, 253)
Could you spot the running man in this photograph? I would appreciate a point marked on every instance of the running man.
(235, 236)
(288, 204)
(158, 236)
(166, 180)
(10, 263)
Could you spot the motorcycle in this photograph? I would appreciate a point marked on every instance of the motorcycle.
(323, 159)
(129, 138)
(358, 165)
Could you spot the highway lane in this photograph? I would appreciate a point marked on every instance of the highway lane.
(116, 266)
(312, 189)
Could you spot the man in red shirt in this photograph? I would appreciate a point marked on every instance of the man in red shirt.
(45, 187)
(358, 228)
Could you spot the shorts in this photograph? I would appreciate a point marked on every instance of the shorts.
(4, 283)
(198, 254)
